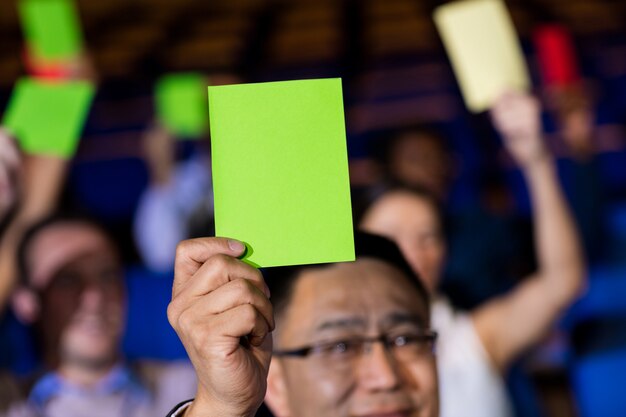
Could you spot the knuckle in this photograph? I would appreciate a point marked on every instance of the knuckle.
(174, 310)
(202, 339)
(182, 249)
(239, 285)
(244, 289)
(172, 313)
(185, 323)
(219, 262)
(249, 314)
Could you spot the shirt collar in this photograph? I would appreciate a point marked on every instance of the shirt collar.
(119, 379)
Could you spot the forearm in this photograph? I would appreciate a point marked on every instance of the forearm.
(558, 248)
(44, 178)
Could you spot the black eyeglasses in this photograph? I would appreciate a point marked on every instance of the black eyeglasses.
(404, 346)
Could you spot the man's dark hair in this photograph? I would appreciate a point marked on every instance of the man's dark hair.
(33, 231)
(281, 280)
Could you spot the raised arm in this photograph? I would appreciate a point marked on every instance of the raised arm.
(512, 323)
(30, 184)
(221, 312)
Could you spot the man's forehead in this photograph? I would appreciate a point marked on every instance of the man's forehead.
(367, 291)
(61, 243)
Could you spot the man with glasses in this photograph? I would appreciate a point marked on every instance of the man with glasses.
(351, 339)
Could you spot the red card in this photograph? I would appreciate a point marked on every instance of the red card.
(556, 55)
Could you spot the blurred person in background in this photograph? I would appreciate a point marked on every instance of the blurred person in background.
(10, 167)
(30, 186)
(477, 348)
(177, 193)
(351, 338)
(417, 156)
(178, 202)
(77, 67)
(573, 110)
(74, 296)
(421, 157)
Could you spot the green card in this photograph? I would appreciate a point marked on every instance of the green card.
(51, 28)
(47, 118)
(181, 104)
(280, 171)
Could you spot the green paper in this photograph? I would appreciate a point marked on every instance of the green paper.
(51, 28)
(280, 171)
(48, 118)
(181, 104)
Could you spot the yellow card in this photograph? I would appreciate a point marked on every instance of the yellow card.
(484, 50)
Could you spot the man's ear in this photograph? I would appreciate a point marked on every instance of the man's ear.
(276, 397)
(25, 305)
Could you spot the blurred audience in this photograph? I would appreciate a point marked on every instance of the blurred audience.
(178, 192)
(477, 348)
(458, 212)
(178, 202)
(72, 292)
(572, 108)
(479, 265)
(418, 156)
(31, 193)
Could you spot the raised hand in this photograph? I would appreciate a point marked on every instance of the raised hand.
(221, 311)
(517, 117)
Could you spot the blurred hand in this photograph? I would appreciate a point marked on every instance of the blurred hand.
(221, 312)
(10, 167)
(517, 117)
(79, 67)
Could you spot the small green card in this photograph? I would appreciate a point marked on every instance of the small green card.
(48, 118)
(181, 104)
(280, 171)
(51, 28)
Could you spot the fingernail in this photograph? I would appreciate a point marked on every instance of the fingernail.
(235, 245)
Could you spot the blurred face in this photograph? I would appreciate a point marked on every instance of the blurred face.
(418, 159)
(78, 276)
(333, 307)
(412, 222)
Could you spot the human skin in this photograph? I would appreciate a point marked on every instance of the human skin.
(218, 299)
(366, 297)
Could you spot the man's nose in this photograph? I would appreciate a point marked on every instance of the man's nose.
(378, 369)
(92, 296)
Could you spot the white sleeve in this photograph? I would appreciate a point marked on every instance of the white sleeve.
(469, 385)
(162, 215)
(158, 227)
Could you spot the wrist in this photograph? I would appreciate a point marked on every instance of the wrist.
(200, 407)
(535, 157)
(539, 167)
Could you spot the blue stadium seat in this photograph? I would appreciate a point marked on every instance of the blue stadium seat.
(598, 384)
(148, 334)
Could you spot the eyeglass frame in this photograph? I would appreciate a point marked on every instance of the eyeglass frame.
(387, 341)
